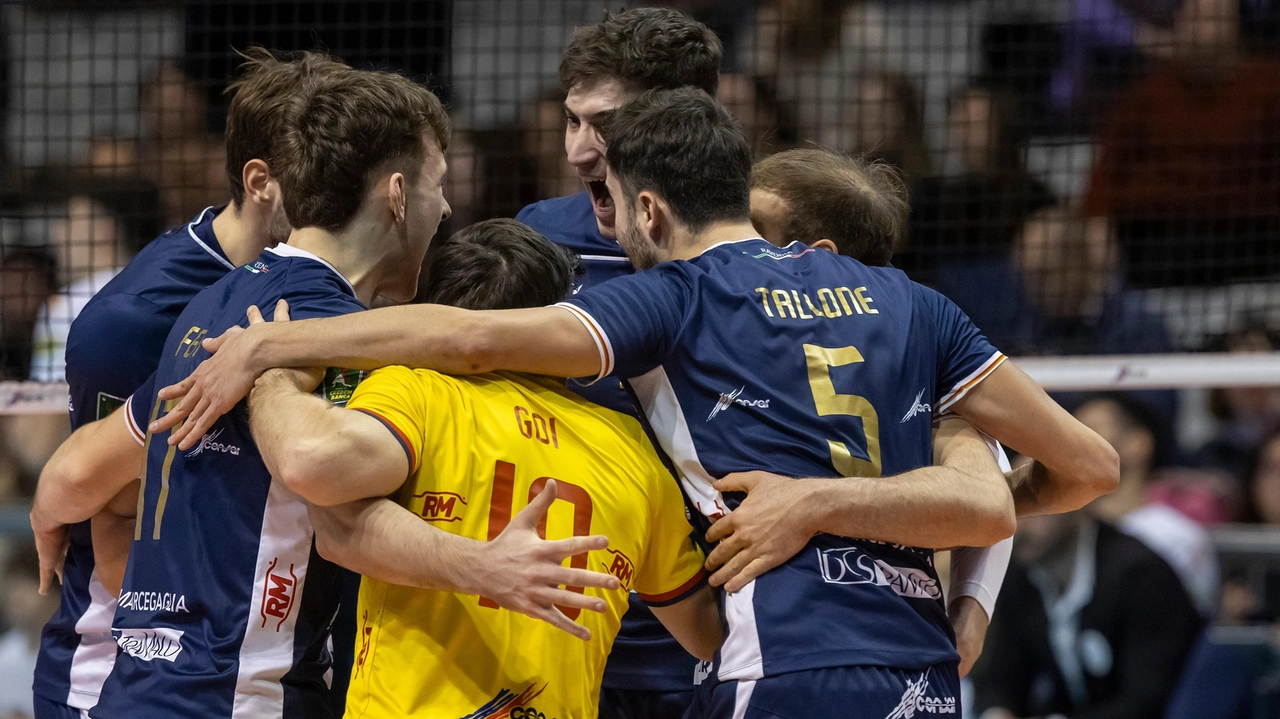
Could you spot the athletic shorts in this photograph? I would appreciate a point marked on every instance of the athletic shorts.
(49, 709)
(864, 692)
(643, 704)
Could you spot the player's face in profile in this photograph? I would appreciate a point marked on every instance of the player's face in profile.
(585, 108)
(632, 236)
(425, 209)
(769, 215)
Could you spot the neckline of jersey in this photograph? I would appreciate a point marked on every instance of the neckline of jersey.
(191, 230)
(732, 242)
(285, 250)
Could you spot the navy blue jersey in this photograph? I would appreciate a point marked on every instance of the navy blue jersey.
(801, 362)
(113, 346)
(645, 655)
(226, 607)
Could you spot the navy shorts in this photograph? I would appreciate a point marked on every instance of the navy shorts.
(864, 692)
(49, 709)
(643, 704)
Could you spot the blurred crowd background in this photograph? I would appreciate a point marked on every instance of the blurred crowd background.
(1086, 176)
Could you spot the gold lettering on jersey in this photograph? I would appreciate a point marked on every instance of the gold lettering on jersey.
(831, 303)
(865, 301)
(190, 343)
(764, 300)
(783, 302)
(534, 426)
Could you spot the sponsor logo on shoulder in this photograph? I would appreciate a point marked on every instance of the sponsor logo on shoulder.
(852, 565)
(918, 407)
(729, 399)
(914, 701)
(777, 254)
(108, 403)
(150, 643)
(210, 442)
(621, 567)
(257, 267)
(507, 703)
(339, 384)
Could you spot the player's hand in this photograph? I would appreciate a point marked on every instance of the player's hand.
(52, 541)
(763, 532)
(220, 382)
(970, 621)
(522, 571)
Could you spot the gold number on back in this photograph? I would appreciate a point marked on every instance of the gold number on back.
(820, 360)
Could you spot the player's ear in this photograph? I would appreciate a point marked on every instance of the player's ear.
(825, 244)
(258, 187)
(396, 197)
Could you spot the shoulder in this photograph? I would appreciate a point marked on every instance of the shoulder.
(556, 210)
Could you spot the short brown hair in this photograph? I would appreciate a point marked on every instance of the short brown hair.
(498, 264)
(256, 118)
(344, 129)
(859, 205)
(645, 48)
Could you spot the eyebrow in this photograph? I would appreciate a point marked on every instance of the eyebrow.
(594, 118)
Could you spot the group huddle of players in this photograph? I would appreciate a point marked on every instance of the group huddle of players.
(281, 503)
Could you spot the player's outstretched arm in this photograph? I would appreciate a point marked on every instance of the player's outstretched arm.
(518, 569)
(694, 622)
(1073, 465)
(544, 340)
(964, 501)
(84, 474)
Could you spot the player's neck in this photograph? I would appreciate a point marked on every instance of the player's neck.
(241, 239)
(686, 246)
(348, 255)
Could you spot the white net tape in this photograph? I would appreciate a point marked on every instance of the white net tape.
(1097, 373)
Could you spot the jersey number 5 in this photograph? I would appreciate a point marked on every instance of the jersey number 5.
(504, 480)
(820, 360)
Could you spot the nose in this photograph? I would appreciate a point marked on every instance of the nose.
(447, 212)
(583, 147)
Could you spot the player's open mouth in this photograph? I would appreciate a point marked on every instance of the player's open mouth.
(601, 201)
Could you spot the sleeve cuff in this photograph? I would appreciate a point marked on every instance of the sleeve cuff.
(968, 383)
(400, 437)
(678, 594)
(139, 434)
(597, 335)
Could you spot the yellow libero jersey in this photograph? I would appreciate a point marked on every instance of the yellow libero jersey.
(478, 448)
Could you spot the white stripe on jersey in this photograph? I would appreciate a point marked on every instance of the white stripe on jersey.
(597, 335)
(139, 434)
(266, 654)
(742, 698)
(95, 656)
(963, 386)
(740, 657)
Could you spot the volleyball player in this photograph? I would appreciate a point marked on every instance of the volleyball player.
(605, 65)
(115, 344)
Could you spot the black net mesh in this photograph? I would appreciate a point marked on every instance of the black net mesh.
(1087, 176)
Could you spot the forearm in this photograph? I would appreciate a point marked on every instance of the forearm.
(112, 538)
(85, 473)
(1038, 490)
(935, 507)
(446, 339)
(380, 539)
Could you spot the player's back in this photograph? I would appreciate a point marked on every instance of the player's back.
(480, 448)
(801, 362)
(225, 606)
(112, 347)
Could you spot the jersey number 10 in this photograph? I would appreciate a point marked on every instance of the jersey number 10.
(504, 479)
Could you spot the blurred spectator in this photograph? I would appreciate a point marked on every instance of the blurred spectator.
(754, 103)
(888, 124)
(27, 278)
(1127, 425)
(1090, 623)
(186, 161)
(544, 141)
(462, 182)
(25, 612)
(976, 215)
(1189, 161)
(1244, 414)
(104, 224)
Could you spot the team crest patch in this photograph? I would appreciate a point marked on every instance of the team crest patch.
(339, 384)
(108, 404)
